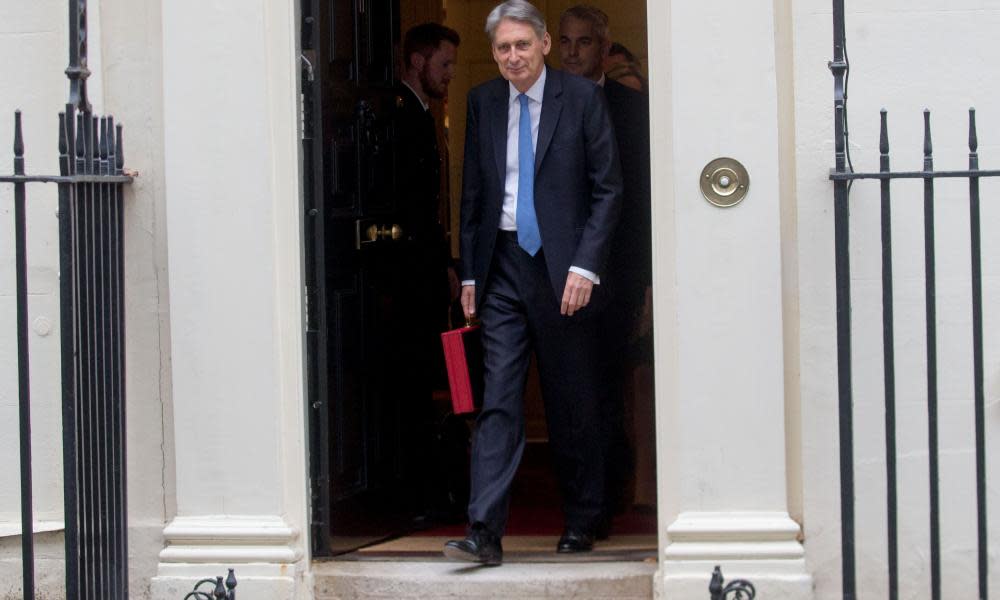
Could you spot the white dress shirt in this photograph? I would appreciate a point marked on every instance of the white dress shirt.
(508, 216)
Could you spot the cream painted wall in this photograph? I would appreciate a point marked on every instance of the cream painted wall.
(719, 296)
(36, 85)
(231, 160)
(905, 56)
(785, 80)
(132, 75)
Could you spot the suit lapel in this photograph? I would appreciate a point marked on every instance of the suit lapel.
(499, 101)
(551, 107)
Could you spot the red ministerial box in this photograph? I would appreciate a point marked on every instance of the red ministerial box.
(463, 356)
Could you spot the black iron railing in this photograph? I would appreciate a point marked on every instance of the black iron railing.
(843, 177)
(737, 589)
(91, 275)
(91, 299)
(213, 589)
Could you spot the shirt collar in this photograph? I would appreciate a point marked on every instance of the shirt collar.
(416, 95)
(535, 92)
(601, 81)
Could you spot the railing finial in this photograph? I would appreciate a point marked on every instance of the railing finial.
(218, 592)
(81, 142)
(103, 147)
(94, 157)
(928, 148)
(77, 71)
(63, 148)
(231, 583)
(883, 138)
(119, 153)
(18, 145)
(738, 589)
(973, 140)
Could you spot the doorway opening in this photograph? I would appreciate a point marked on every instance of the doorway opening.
(388, 462)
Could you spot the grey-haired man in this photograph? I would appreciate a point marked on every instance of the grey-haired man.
(540, 202)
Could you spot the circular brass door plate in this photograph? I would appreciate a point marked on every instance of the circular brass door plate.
(724, 182)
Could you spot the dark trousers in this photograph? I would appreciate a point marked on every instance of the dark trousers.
(520, 313)
(420, 314)
(621, 352)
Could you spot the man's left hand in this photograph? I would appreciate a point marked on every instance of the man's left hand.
(576, 295)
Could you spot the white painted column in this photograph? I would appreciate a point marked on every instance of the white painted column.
(718, 289)
(233, 206)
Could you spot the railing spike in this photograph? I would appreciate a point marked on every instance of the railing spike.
(715, 585)
(18, 145)
(231, 583)
(95, 137)
(973, 140)
(63, 149)
(883, 138)
(18, 137)
(70, 134)
(119, 154)
(112, 148)
(93, 145)
(83, 144)
(928, 148)
(105, 145)
(111, 141)
(63, 145)
(80, 137)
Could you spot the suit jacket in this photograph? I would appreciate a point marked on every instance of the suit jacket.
(418, 167)
(630, 264)
(427, 253)
(578, 184)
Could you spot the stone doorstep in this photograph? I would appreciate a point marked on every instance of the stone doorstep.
(441, 579)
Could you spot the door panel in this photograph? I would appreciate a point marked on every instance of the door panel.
(341, 174)
(348, 461)
(377, 27)
(357, 429)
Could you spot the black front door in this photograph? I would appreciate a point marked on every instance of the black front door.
(358, 430)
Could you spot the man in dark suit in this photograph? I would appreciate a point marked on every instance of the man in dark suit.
(430, 51)
(427, 281)
(540, 202)
(584, 43)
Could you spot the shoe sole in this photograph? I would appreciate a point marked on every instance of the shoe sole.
(459, 554)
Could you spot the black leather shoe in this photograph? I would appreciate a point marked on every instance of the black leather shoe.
(575, 540)
(480, 546)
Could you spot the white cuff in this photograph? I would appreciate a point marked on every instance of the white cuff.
(585, 273)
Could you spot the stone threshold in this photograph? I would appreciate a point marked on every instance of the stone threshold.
(441, 579)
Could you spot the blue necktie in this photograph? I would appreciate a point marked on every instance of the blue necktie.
(528, 236)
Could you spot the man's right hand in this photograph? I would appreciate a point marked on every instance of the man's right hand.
(469, 301)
